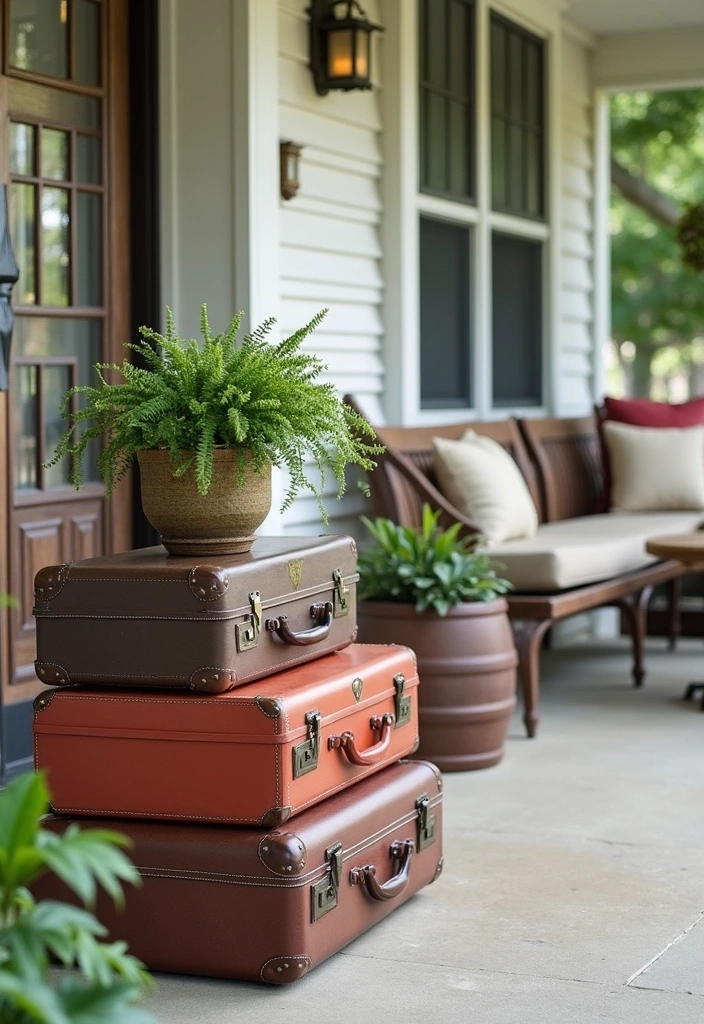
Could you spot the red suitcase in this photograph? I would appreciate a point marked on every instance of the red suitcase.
(255, 755)
(242, 904)
(147, 618)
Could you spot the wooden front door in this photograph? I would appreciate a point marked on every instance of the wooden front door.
(64, 129)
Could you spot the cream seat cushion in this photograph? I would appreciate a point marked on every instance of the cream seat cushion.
(574, 552)
(481, 480)
(655, 468)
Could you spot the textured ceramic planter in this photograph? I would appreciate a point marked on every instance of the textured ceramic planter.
(221, 523)
(467, 669)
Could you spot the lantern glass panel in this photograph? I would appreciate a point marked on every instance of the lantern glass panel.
(362, 54)
(291, 167)
(340, 53)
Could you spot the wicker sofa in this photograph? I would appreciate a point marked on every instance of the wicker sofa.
(581, 557)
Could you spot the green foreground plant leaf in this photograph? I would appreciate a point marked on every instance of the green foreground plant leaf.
(109, 980)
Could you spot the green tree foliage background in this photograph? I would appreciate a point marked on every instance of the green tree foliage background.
(657, 302)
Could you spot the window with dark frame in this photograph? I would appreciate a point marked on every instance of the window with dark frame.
(444, 315)
(517, 120)
(517, 320)
(447, 116)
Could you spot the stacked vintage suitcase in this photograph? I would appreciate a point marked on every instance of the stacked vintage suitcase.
(242, 759)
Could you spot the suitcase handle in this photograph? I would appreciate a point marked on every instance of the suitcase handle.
(401, 851)
(372, 755)
(323, 615)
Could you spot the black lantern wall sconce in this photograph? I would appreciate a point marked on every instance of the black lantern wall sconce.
(290, 177)
(340, 51)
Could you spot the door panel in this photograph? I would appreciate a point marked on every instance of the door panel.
(63, 114)
(47, 535)
(38, 541)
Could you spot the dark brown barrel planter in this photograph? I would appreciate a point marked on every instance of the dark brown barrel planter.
(467, 668)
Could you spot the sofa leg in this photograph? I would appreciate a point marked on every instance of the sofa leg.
(674, 603)
(635, 609)
(527, 635)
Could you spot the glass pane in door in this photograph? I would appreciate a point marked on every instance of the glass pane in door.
(55, 247)
(88, 160)
(26, 409)
(56, 380)
(23, 199)
(55, 159)
(39, 36)
(22, 149)
(89, 265)
(80, 340)
(86, 16)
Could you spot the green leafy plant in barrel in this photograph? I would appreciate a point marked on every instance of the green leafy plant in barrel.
(428, 567)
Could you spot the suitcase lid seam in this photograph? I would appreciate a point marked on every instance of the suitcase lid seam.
(44, 609)
(298, 881)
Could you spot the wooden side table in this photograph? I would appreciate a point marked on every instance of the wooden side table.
(687, 548)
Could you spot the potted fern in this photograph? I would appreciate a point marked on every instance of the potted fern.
(109, 981)
(441, 595)
(207, 423)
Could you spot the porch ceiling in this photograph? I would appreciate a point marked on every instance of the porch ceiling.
(607, 17)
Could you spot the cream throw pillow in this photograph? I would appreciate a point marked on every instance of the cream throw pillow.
(481, 479)
(655, 469)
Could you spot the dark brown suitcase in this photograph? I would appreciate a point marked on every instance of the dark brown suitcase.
(254, 756)
(269, 906)
(147, 618)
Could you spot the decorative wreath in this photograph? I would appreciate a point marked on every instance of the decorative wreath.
(690, 235)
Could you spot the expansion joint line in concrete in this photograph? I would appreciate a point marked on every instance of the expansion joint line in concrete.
(678, 938)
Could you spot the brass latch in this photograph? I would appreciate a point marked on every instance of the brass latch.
(426, 823)
(324, 893)
(305, 755)
(342, 595)
(247, 633)
(402, 705)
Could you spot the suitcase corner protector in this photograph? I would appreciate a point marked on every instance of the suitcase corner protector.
(275, 816)
(269, 706)
(283, 853)
(51, 674)
(282, 970)
(49, 581)
(212, 680)
(42, 702)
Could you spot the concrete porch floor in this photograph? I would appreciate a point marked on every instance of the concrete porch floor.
(573, 889)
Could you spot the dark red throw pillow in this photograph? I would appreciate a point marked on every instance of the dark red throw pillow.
(641, 412)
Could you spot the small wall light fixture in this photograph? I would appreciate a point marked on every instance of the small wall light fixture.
(290, 183)
(340, 54)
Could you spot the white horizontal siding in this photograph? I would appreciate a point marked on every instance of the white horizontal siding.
(330, 251)
(575, 343)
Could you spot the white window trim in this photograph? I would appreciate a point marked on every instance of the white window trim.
(404, 203)
(253, 46)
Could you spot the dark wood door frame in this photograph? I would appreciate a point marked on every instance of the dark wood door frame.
(133, 299)
(145, 220)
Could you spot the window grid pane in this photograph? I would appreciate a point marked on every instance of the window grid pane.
(444, 314)
(517, 103)
(446, 103)
(517, 300)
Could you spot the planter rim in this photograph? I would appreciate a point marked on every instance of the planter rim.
(464, 610)
(222, 453)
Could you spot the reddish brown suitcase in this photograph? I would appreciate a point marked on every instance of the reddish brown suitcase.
(237, 903)
(255, 755)
(147, 618)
